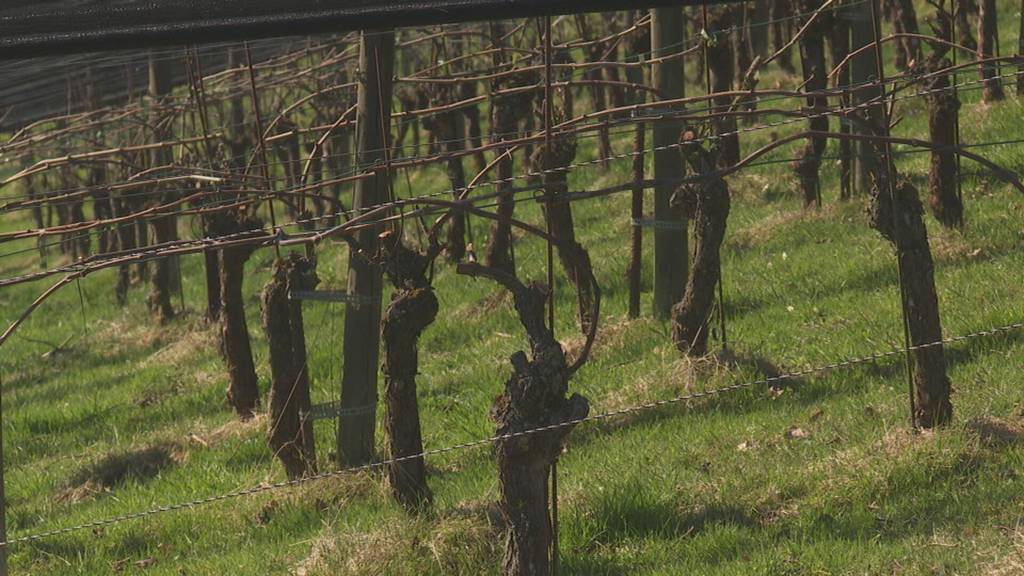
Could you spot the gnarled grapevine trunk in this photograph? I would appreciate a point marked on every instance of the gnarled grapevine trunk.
(906, 231)
(413, 308)
(943, 115)
(707, 203)
(812, 58)
(291, 435)
(243, 392)
(534, 397)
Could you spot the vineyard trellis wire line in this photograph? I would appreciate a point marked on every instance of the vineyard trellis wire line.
(530, 174)
(494, 439)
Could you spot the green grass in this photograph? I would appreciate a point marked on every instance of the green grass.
(709, 487)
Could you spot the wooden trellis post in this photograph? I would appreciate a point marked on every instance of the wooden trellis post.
(358, 415)
(671, 262)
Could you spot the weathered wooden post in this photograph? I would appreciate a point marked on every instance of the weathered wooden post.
(164, 227)
(358, 415)
(670, 243)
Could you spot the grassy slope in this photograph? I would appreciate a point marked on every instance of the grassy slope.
(714, 487)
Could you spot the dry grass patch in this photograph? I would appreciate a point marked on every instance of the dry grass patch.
(179, 351)
(232, 429)
(404, 545)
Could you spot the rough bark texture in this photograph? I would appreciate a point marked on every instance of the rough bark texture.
(534, 397)
(812, 58)
(558, 211)
(720, 62)
(987, 36)
(243, 392)
(413, 308)
(708, 205)
(290, 435)
(907, 232)
(943, 115)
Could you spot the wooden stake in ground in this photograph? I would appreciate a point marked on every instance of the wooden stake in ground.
(362, 318)
(291, 434)
(164, 227)
(413, 308)
(671, 254)
(535, 396)
(707, 204)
